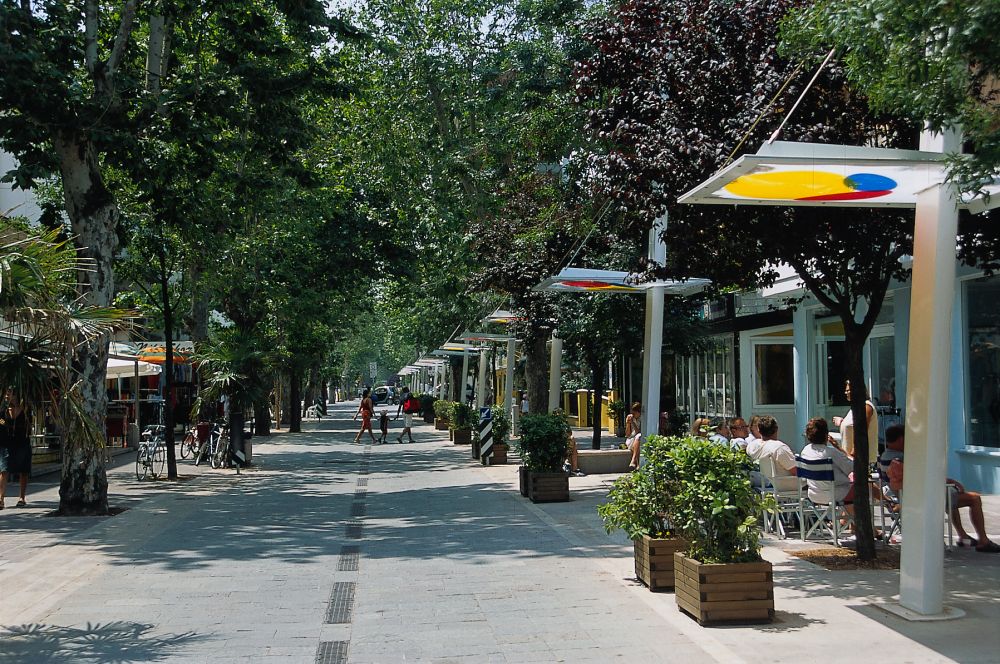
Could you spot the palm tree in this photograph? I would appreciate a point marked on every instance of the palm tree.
(42, 321)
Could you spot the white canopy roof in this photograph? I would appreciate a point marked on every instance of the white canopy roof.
(122, 368)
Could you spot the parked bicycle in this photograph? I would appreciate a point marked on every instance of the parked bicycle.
(213, 446)
(151, 456)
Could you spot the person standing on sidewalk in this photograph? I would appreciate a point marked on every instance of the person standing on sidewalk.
(408, 404)
(366, 410)
(18, 461)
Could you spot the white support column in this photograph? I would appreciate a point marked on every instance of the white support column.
(555, 372)
(481, 383)
(441, 370)
(508, 393)
(921, 583)
(462, 392)
(653, 338)
(801, 321)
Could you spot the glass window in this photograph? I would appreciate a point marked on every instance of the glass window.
(836, 372)
(774, 377)
(984, 362)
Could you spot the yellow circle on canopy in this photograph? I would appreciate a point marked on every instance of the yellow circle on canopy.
(790, 185)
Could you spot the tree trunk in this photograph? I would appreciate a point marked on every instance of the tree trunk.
(93, 215)
(854, 345)
(168, 367)
(457, 380)
(597, 368)
(262, 418)
(537, 373)
(295, 403)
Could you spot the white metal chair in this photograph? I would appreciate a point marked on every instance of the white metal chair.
(786, 492)
(819, 505)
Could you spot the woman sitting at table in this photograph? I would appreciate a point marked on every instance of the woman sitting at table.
(818, 448)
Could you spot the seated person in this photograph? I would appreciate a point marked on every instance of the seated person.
(633, 434)
(700, 427)
(768, 445)
(820, 446)
(721, 433)
(959, 496)
(571, 463)
(739, 431)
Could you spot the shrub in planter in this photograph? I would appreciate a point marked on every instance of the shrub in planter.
(462, 422)
(501, 435)
(442, 413)
(427, 402)
(616, 411)
(639, 504)
(543, 447)
(718, 512)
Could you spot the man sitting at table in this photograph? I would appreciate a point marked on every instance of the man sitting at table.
(959, 496)
(768, 445)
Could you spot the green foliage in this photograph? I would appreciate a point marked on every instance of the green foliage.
(501, 425)
(934, 62)
(232, 366)
(443, 409)
(462, 417)
(616, 409)
(542, 445)
(640, 502)
(712, 503)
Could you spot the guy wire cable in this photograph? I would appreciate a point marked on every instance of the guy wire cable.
(760, 116)
(791, 112)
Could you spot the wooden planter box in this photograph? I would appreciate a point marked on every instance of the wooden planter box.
(499, 456)
(522, 477)
(732, 592)
(476, 447)
(429, 419)
(654, 561)
(548, 487)
(462, 436)
(440, 425)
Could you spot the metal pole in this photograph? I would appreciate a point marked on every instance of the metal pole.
(508, 396)
(653, 338)
(555, 372)
(481, 383)
(921, 570)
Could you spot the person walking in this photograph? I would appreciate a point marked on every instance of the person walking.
(408, 404)
(366, 410)
(18, 461)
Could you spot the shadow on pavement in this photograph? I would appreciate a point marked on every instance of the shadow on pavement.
(109, 642)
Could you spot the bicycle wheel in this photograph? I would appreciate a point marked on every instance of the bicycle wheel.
(188, 445)
(158, 460)
(141, 464)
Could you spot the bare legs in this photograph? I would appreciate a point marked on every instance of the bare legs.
(974, 502)
(3, 487)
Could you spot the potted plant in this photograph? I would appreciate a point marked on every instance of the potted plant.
(427, 402)
(721, 577)
(616, 411)
(543, 447)
(461, 424)
(639, 504)
(501, 434)
(442, 414)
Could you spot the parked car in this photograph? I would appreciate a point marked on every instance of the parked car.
(385, 395)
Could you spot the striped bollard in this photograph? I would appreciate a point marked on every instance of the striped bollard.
(485, 434)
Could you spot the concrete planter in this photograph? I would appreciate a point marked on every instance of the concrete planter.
(726, 593)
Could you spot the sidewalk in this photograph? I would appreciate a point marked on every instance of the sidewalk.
(334, 552)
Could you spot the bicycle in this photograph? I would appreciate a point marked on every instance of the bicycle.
(151, 456)
(207, 447)
(189, 445)
(222, 452)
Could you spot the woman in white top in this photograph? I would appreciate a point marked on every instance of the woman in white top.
(846, 425)
(633, 434)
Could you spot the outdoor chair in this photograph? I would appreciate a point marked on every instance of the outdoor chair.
(819, 511)
(787, 495)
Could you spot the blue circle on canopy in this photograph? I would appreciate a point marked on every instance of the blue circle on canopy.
(869, 182)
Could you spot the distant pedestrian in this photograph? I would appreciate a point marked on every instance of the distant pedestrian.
(15, 446)
(366, 410)
(408, 405)
(525, 407)
(383, 425)
(633, 434)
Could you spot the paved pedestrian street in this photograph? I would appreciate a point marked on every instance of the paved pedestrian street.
(329, 551)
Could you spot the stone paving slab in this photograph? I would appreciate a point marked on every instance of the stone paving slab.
(446, 562)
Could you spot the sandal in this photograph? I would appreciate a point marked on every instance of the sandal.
(989, 547)
(21, 503)
(967, 541)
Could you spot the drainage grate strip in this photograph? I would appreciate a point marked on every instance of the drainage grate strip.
(332, 652)
(362, 481)
(353, 529)
(350, 556)
(341, 605)
(358, 509)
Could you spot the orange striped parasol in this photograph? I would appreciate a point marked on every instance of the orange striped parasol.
(158, 355)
